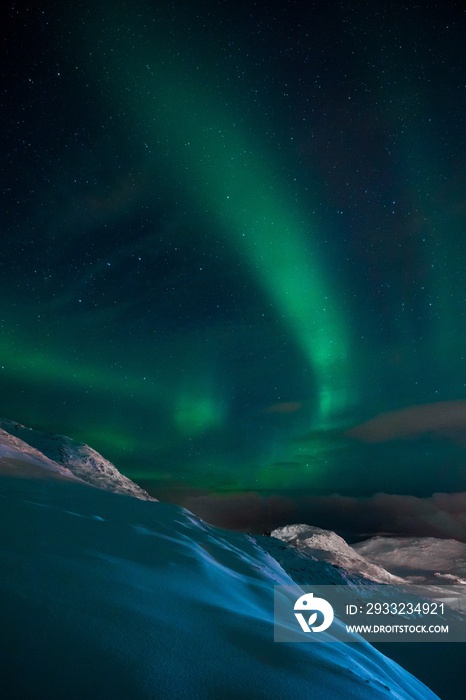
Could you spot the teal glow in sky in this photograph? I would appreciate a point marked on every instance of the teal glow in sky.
(233, 233)
(232, 177)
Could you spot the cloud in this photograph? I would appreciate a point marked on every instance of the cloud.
(440, 515)
(445, 418)
(284, 407)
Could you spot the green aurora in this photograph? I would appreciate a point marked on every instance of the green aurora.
(233, 247)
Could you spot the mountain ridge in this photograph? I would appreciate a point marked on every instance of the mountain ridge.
(59, 452)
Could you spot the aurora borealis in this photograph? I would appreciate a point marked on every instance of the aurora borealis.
(232, 234)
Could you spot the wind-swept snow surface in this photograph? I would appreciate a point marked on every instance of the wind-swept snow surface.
(107, 596)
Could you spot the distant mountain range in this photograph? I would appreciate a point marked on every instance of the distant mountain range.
(325, 545)
(394, 560)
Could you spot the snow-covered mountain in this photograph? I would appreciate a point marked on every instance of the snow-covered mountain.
(58, 452)
(418, 559)
(105, 595)
(325, 545)
(305, 569)
(20, 459)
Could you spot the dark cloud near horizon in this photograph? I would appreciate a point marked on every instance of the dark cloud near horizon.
(443, 419)
(441, 515)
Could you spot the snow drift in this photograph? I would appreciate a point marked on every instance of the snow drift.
(105, 595)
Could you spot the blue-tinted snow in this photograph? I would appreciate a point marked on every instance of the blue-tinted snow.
(107, 596)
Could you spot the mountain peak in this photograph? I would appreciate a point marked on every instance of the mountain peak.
(65, 456)
(326, 545)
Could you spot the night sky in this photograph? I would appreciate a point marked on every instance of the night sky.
(233, 252)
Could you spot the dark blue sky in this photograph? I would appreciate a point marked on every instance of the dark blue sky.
(233, 233)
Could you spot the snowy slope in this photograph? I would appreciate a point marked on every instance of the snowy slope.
(327, 546)
(80, 459)
(104, 596)
(419, 559)
(441, 666)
